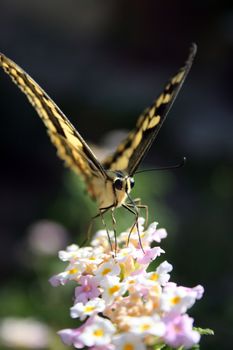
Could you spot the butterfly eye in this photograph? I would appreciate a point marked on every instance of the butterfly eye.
(118, 183)
(131, 182)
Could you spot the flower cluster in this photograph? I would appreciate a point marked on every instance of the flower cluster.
(121, 303)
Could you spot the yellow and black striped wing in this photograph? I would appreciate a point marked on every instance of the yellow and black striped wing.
(130, 152)
(70, 145)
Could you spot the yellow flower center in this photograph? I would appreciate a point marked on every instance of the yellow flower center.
(145, 327)
(89, 308)
(106, 271)
(175, 300)
(132, 282)
(98, 332)
(73, 271)
(114, 289)
(87, 288)
(128, 346)
(154, 277)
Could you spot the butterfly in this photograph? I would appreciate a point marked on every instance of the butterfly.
(108, 182)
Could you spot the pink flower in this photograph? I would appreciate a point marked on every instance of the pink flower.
(125, 304)
(199, 291)
(72, 336)
(148, 255)
(88, 289)
(179, 331)
(103, 347)
(55, 281)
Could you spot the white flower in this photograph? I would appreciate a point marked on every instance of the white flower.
(75, 269)
(148, 234)
(93, 259)
(99, 332)
(109, 268)
(100, 239)
(129, 341)
(91, 307)
(68, 254)
(72, 272)
(161, 274)
(177, 299)
(124, 253)
(112, 288)
(75, 253)
(152, 227)
(120, 304)
(134, 281)
(147, 325)
(156, 234)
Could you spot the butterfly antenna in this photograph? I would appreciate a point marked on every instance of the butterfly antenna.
(176, 166)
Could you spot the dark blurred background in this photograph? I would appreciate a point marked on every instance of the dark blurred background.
(103, 62)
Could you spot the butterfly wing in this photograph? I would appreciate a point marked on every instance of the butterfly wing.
(130, 152)
(70, 145)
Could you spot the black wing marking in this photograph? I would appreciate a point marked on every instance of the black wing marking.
(131, 151)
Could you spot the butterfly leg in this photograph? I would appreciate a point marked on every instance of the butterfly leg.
(135, 212)
(137, 200)
(101, 214)
(141, 206)
(89, 230)
(102, 211)
(114, 228)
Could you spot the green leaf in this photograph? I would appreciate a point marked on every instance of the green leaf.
(159, 346)
(204, 331)
(195, 347)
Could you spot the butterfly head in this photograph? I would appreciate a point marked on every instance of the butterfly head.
(122, 182)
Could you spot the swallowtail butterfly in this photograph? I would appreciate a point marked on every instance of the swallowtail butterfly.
(108, 182)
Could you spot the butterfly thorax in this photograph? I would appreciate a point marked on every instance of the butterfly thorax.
(113, 190)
